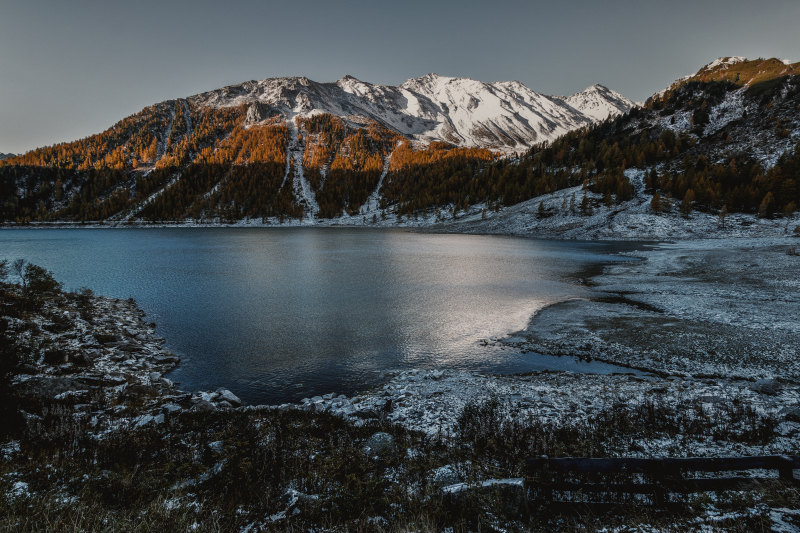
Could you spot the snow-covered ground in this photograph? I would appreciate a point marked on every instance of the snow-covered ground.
(432, 400)
(631, 220)
(727, 308)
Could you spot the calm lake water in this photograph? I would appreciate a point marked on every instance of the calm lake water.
(276, 315)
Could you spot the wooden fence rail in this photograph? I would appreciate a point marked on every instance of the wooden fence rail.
(656, 477)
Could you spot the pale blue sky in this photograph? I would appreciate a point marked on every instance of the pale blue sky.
(72, 68)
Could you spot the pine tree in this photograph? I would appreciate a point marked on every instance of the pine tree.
(655, 203)
(688, 200)
(765, 208)
(586, 208)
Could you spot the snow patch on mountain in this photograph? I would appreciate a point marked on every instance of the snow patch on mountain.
(724, 62)
(505, 116)
(599, 103)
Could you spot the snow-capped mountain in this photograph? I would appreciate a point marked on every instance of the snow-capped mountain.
(5, 156)
(506, 116)
(599, 102)
(739, 70)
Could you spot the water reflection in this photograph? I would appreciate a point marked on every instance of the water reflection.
(278, 314)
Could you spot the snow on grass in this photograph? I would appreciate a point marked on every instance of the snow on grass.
(431, 402)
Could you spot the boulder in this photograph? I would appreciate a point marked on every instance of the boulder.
(129, 347)
(144, 420)
(443, 476)
(791, 414)
(379, 444)
(204, 406)
(228, 396)
(767, 386)
(171, 408)
(106, 338)
(56, 357)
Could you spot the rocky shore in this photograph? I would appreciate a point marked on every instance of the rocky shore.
(106, 438)
(107, 364)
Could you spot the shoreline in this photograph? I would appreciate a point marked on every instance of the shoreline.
(632, 221)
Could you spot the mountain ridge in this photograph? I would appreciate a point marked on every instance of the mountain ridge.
(504, 116)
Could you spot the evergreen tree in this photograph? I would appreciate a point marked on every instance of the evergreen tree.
(688, 201)
(655, 203)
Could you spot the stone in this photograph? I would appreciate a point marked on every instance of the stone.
(767, 386)
(144, 420)
(443, 476)
(379, 444)
(171, 408)
(80, 358)
(154, 376)
(204, 406)
(787, 429)
(791, 413)
(217, 446)
(106, 338)
(56, 357)
(228, 396)
(129, 347)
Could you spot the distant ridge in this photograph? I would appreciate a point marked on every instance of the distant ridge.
(504, 116)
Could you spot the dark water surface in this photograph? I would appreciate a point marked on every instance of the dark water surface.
(278, 314)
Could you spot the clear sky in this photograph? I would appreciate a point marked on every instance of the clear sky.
(72, 68)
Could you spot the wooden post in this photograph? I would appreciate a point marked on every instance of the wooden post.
(786, 469)
(547, 480)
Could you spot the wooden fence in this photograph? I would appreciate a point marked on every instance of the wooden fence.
(612, 480)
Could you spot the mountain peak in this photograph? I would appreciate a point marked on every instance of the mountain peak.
(741, 71)
(724, 62)
(599, 102)
(427, 80)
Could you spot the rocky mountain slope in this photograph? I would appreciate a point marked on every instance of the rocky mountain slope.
(5, 156)
(506, 116)
(291, 148)
(725, 140)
